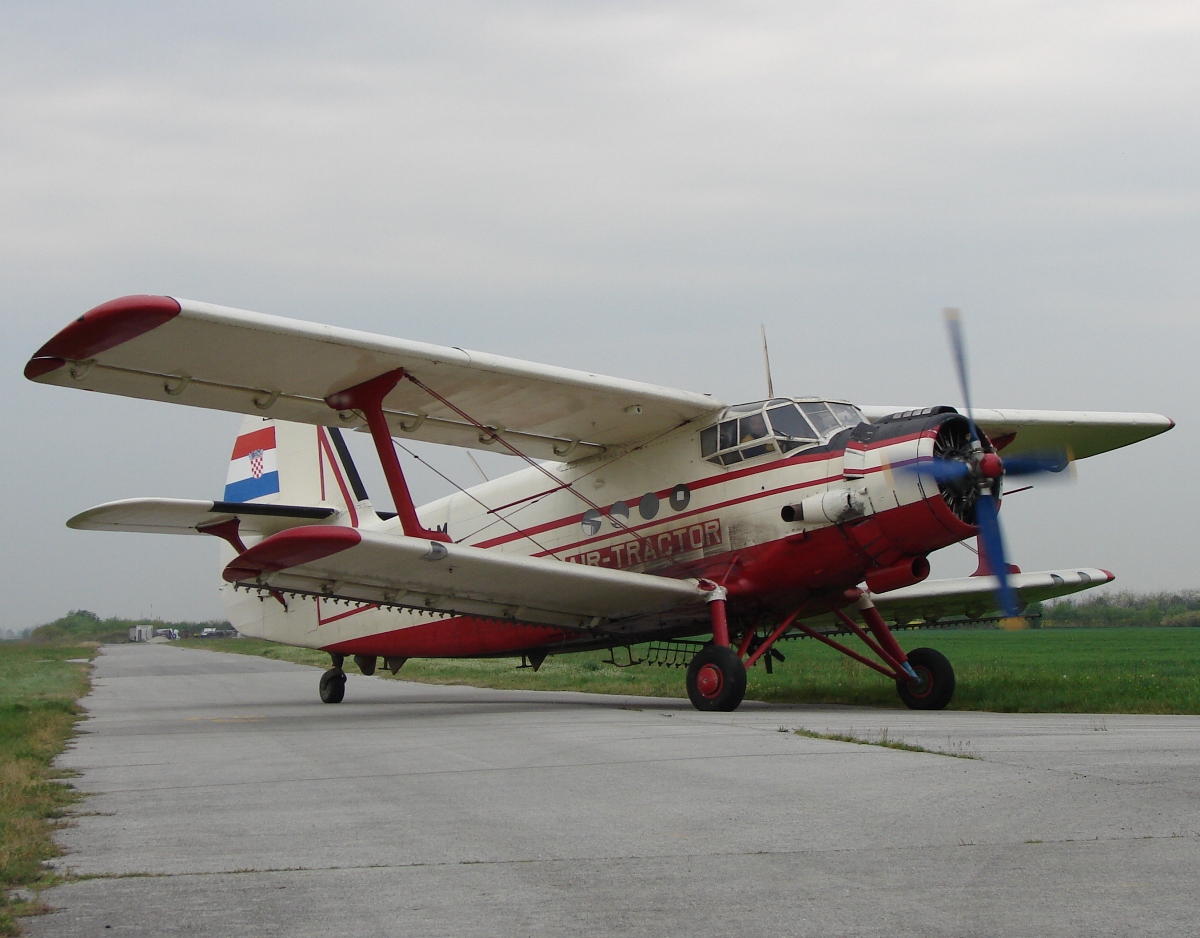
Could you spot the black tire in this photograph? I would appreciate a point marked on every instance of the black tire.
(333, 685)
(936, 687)
(366, 663)
(716, 679)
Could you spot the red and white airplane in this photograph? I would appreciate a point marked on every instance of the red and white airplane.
(645, 513)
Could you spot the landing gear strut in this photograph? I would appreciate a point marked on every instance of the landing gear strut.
(716, 678)
(333, 682)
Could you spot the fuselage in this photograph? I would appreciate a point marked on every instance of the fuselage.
(700, 501)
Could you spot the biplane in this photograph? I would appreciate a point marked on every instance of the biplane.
(644, 514)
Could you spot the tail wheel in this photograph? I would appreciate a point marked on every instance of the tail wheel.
(935, 686)
(716, 679)
(333, 685)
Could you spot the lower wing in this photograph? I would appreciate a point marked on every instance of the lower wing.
(943, 602)
(391, 570)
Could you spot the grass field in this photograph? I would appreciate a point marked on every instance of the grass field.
(1110, 670)
(38, 690)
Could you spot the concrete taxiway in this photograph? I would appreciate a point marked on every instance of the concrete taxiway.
(229, 801)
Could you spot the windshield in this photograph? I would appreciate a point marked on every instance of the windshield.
(776, 426)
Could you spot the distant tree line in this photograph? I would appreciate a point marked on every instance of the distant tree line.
(1173, 609)
(1176, 609)
(83, 625)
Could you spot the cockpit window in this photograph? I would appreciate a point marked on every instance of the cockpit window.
(847, 415)
(821, 417)
(729, 437)
(752, 430)
(788, 421)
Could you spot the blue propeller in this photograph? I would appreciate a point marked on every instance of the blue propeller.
(989, 467)
(974, 476)
(986, 469)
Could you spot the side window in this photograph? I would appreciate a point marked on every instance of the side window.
(752, 428)
(731, 441)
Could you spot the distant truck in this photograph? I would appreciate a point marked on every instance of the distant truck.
(172, 634)
(218, 633)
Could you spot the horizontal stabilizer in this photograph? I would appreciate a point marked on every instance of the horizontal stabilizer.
(189, 516)
(974, 597)
(365, 566)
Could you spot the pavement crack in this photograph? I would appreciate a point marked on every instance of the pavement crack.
(70, 877)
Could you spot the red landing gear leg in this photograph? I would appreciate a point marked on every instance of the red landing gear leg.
(716, 678)
(716, 610)
(367, 398)
(924, 678)
(883, 634)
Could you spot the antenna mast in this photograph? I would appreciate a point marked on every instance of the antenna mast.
(767, 361)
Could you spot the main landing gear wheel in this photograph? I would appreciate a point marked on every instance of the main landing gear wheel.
(936, 685)
(716, 679)
(333, 685)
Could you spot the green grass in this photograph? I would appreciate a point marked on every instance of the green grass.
(38, 690)
(1108, 670)
(882, 738)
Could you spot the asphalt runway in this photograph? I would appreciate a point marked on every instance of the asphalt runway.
(229, 801)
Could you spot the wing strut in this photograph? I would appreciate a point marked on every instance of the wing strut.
(367, 398)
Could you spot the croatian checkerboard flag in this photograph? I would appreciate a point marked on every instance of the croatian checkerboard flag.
(253, 469)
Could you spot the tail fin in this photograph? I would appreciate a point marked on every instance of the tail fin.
(276, 462)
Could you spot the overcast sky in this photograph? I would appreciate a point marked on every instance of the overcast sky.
(627, 188)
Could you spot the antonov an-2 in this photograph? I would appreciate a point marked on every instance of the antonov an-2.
(645, 514)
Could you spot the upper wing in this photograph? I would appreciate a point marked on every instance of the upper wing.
(362, 566)
(1082, 433)
(186, 352)
(190, 516)
(974, 597)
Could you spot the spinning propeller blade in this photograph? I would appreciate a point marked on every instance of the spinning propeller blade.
(1031, 464)
(958, 348)
(943, 470)
(987, 468)
(988, 519)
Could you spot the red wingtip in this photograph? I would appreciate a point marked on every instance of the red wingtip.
(102, 328)
(36, 367)
(1111, 576)
(290, 548)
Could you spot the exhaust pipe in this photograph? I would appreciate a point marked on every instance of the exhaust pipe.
(907, 573)
(831, 507)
